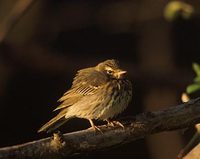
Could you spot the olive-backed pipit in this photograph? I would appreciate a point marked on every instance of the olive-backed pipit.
(99, 92)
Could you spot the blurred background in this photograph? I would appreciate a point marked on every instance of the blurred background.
(43, 43)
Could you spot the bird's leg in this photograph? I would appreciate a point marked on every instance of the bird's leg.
(109, 123)
(114, 123)
(94, 127)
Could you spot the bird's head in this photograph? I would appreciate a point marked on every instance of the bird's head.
(111, 69)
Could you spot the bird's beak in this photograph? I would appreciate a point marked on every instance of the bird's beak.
(120, 74)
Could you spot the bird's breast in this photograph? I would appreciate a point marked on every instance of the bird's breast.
(119, 97)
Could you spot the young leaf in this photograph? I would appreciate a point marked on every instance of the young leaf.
(192, 88)
(196, 68)
(197, 79)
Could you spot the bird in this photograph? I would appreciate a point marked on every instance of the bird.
(97, 93)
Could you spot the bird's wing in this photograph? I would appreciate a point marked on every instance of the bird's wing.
(86, 82)
(89, 76)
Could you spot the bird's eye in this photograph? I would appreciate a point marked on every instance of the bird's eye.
(109, 71)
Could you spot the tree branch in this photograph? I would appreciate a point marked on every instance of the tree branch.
(13, 17)
(83, 141)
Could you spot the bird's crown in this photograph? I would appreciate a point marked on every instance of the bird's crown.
(112, 63)
(111, 69)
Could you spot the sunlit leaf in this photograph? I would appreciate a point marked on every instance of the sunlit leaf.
(176, 8)
(192, 88)
(197, 79)
(196, 68)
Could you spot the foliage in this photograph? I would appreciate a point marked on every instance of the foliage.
(175, 9)
(195, 86)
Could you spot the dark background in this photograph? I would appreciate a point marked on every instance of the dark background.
(53, 39)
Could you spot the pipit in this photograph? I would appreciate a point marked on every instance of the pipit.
(99, 92)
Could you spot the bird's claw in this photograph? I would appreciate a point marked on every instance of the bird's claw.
(115, 123)
(94, 127)
(97, 129)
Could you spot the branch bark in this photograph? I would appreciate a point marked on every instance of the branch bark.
(84, 141)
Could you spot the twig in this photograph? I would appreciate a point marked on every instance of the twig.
(84, 141)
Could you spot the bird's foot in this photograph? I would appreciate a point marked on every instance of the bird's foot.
(115, 123)
(94, 127)
(97, 129)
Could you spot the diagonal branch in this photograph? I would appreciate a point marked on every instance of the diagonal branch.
(14, 16)
(80, 142)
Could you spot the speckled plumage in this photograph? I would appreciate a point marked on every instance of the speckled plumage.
(99, 92)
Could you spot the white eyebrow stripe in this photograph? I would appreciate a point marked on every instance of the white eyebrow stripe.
(108, 68)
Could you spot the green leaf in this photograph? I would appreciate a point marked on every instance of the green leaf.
(192, 88)
(175, 9)
(196, 68)
(197, 79)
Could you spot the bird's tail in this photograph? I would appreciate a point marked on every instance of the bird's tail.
(55, 122)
